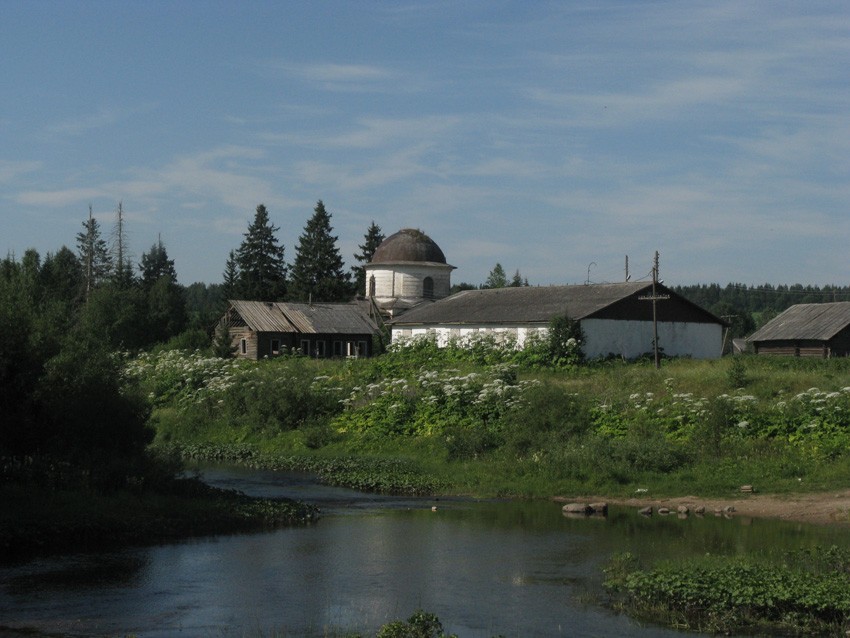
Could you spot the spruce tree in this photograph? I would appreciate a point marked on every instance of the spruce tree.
(517, 282)
(317, 272)
(230, 283)
(93, 253)
(155, 264)
(166, 303)
(372, 239)
(262, 270)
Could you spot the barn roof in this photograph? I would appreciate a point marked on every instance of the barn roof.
(262, 316)
(816, 321)
(304, 318)
(528, 304)
(328, 318)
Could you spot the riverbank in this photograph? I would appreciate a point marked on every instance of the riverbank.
(36, 521)
(817, 508)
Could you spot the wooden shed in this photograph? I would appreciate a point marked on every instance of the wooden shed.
(806, 330)
(260, 329)
(616, 319)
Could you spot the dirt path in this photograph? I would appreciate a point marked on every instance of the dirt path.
(819, 508)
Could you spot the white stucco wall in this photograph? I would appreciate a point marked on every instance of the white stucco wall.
(627, 339)
(405, 281)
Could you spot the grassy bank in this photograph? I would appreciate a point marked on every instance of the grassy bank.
(425, 419)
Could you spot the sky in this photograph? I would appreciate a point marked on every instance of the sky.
(555, 138)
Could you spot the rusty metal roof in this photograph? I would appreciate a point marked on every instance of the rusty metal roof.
(303, 318)
(525, 304)
(817, 321)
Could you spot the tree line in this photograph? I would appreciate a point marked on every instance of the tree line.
(747, 307)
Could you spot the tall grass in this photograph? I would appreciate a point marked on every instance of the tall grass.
(481, 425)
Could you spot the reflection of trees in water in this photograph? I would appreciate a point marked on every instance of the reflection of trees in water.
(88, 571)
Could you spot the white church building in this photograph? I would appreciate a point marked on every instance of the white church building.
(409, 280)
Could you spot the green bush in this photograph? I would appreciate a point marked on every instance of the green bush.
(805, 592)
(420, 625)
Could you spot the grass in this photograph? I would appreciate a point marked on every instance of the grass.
(602, 428)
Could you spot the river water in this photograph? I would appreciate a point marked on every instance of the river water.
(485, 568)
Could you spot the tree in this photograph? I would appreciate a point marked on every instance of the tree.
(372, 239)
(156, 264)
(230, 284)
(122, 264)
(166, 305)
(318, 272)
(496, 278)
(262, 270)
(517, 280)
(93, 253)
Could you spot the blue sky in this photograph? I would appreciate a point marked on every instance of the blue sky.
(552, 137)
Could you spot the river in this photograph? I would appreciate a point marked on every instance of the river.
(485, 568)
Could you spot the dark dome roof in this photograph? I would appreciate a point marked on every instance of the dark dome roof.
(408, 244)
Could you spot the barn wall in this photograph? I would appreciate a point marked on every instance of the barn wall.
(444, 334)
(627, 339)
(631, 339)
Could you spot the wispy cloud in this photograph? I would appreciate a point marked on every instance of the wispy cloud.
(58, 198)
(103, 117)
(339, 77)
(11, 170)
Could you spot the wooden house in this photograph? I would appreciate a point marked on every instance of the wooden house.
(260, 329)
(616, 319)
(806, 330)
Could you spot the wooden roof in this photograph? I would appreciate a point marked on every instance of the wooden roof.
(530, 304)
(816, 321)
(303, 318)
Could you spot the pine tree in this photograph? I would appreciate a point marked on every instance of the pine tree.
(262, 270)
(93, 253)
(496, 278)
(372, 239)
(516, 282)
(317, 272)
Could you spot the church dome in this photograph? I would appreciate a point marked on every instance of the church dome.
(408, 244)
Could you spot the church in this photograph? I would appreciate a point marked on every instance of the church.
(409, 281)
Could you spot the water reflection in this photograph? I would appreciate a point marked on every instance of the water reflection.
(510, 568)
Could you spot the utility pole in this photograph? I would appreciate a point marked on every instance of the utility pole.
(655, 298)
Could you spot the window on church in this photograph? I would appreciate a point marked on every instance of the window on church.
(428, 288)
(372, 286)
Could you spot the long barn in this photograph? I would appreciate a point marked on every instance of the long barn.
(616, 319)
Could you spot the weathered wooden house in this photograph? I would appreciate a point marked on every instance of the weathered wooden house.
(806, 330)
(260, 329)
(616, 319)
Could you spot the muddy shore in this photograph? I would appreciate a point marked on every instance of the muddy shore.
(822, 508)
